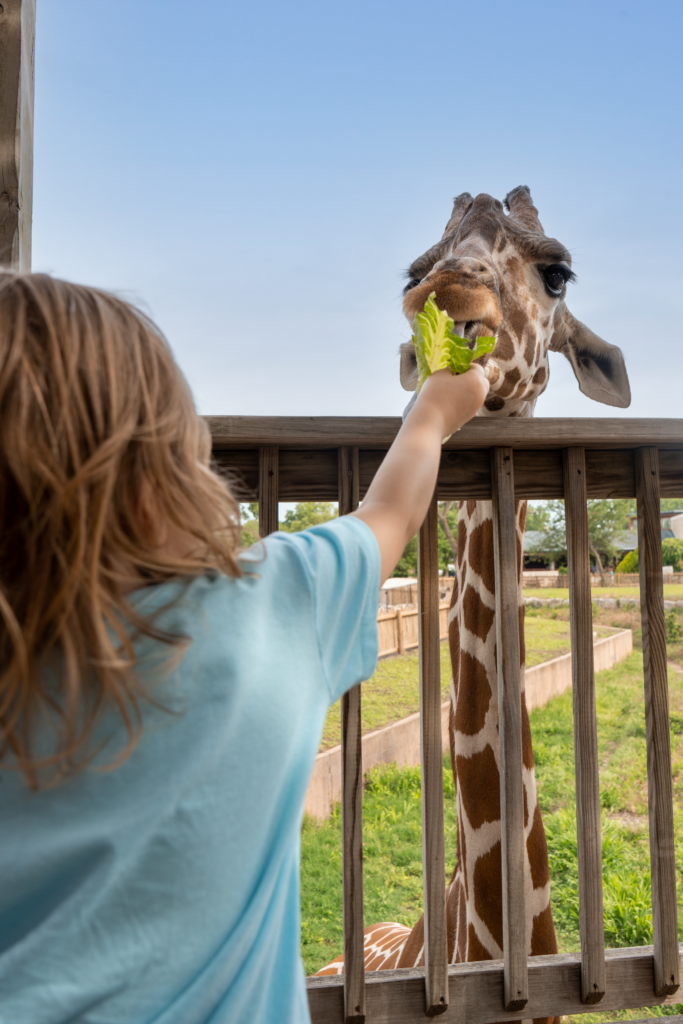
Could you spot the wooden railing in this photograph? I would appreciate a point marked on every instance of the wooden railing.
(303, 459)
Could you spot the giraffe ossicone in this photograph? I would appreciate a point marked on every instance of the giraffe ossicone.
(495, 272)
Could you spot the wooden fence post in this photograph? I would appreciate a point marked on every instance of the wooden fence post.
(268, 492)
(352, 798)
(659, 787)
(17, 37)
(589, 837)
(433, 857)
(399, 631)
(516, 983)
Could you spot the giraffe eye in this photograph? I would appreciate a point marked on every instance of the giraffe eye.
(555, 278)
(413, 283)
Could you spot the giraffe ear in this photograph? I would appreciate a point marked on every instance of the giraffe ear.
(598, 366)
(408, 371)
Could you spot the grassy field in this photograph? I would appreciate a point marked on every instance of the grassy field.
(393, 692)
(392, 831)
(672, 592)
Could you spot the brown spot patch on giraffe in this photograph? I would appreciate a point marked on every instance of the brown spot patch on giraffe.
(481, 554)
(474, 703)
(494, 404)
(477, 618)
(540, 376)
(517, 321)
(488, 892)
(526, 807)
(537, 851)
(504, 349)
(479, 784)
(510, 380)
(543, 940)
(471, 509)
(451, 736)
(454, 640)
(475, 949)
(530, 343)
(462, 857)
(412, 948)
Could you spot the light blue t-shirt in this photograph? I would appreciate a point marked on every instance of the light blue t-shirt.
(167, 890)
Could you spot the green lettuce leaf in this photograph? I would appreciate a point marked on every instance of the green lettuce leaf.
(438, 347)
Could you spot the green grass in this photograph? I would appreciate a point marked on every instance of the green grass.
(393, 692)
(392, 833)
(672, 592)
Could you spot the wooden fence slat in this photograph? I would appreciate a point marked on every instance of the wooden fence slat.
(516, 991)
(660, 795)
(431, 750)
(585, 730)
(269, 489)
(352, 798)
(17, 36)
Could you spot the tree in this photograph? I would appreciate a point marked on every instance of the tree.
(606, 519)
(447, 512)
(448, 542)
(308, 513)
(249, 518)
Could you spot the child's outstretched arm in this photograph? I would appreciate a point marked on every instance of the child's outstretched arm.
(399, 496)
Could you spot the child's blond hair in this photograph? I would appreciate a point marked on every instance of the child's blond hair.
(92, 405)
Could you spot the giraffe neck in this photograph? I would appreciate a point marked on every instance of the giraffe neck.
(475, 893)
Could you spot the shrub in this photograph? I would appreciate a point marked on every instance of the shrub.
(672, 554)
(629, 563)
(673, 627)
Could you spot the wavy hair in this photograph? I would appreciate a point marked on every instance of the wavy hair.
(93, 409)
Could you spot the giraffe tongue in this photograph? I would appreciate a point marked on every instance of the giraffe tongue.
(459, 328)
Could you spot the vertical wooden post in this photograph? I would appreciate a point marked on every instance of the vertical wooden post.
(516, 984)
(585, 730)
(433, 858)
(399, 631)
(268, 464)
(660, 795)
(17, 37)
(352, 798)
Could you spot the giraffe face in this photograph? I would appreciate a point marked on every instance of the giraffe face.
(497, 273)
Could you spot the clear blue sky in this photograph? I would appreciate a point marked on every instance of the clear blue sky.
(259, 175)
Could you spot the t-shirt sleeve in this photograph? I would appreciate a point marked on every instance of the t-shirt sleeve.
(342, 564)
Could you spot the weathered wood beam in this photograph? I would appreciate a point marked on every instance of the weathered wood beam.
(516, 992)
(352, 797)
(397, 997)
(435, 995)
(310, 474)
(589, 838)
(17, 41)
(481, 432)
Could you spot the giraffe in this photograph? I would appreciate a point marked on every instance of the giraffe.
(495, 272)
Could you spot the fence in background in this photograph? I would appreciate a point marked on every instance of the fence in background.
(390, 597)
(399, 629)
(327, 459)
(534, 579)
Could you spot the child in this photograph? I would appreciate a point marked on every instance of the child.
(162, 696)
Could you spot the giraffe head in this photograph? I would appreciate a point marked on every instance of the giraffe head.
(497, 273)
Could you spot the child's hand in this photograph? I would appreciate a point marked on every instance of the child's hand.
(399, 496)
(454, 397)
